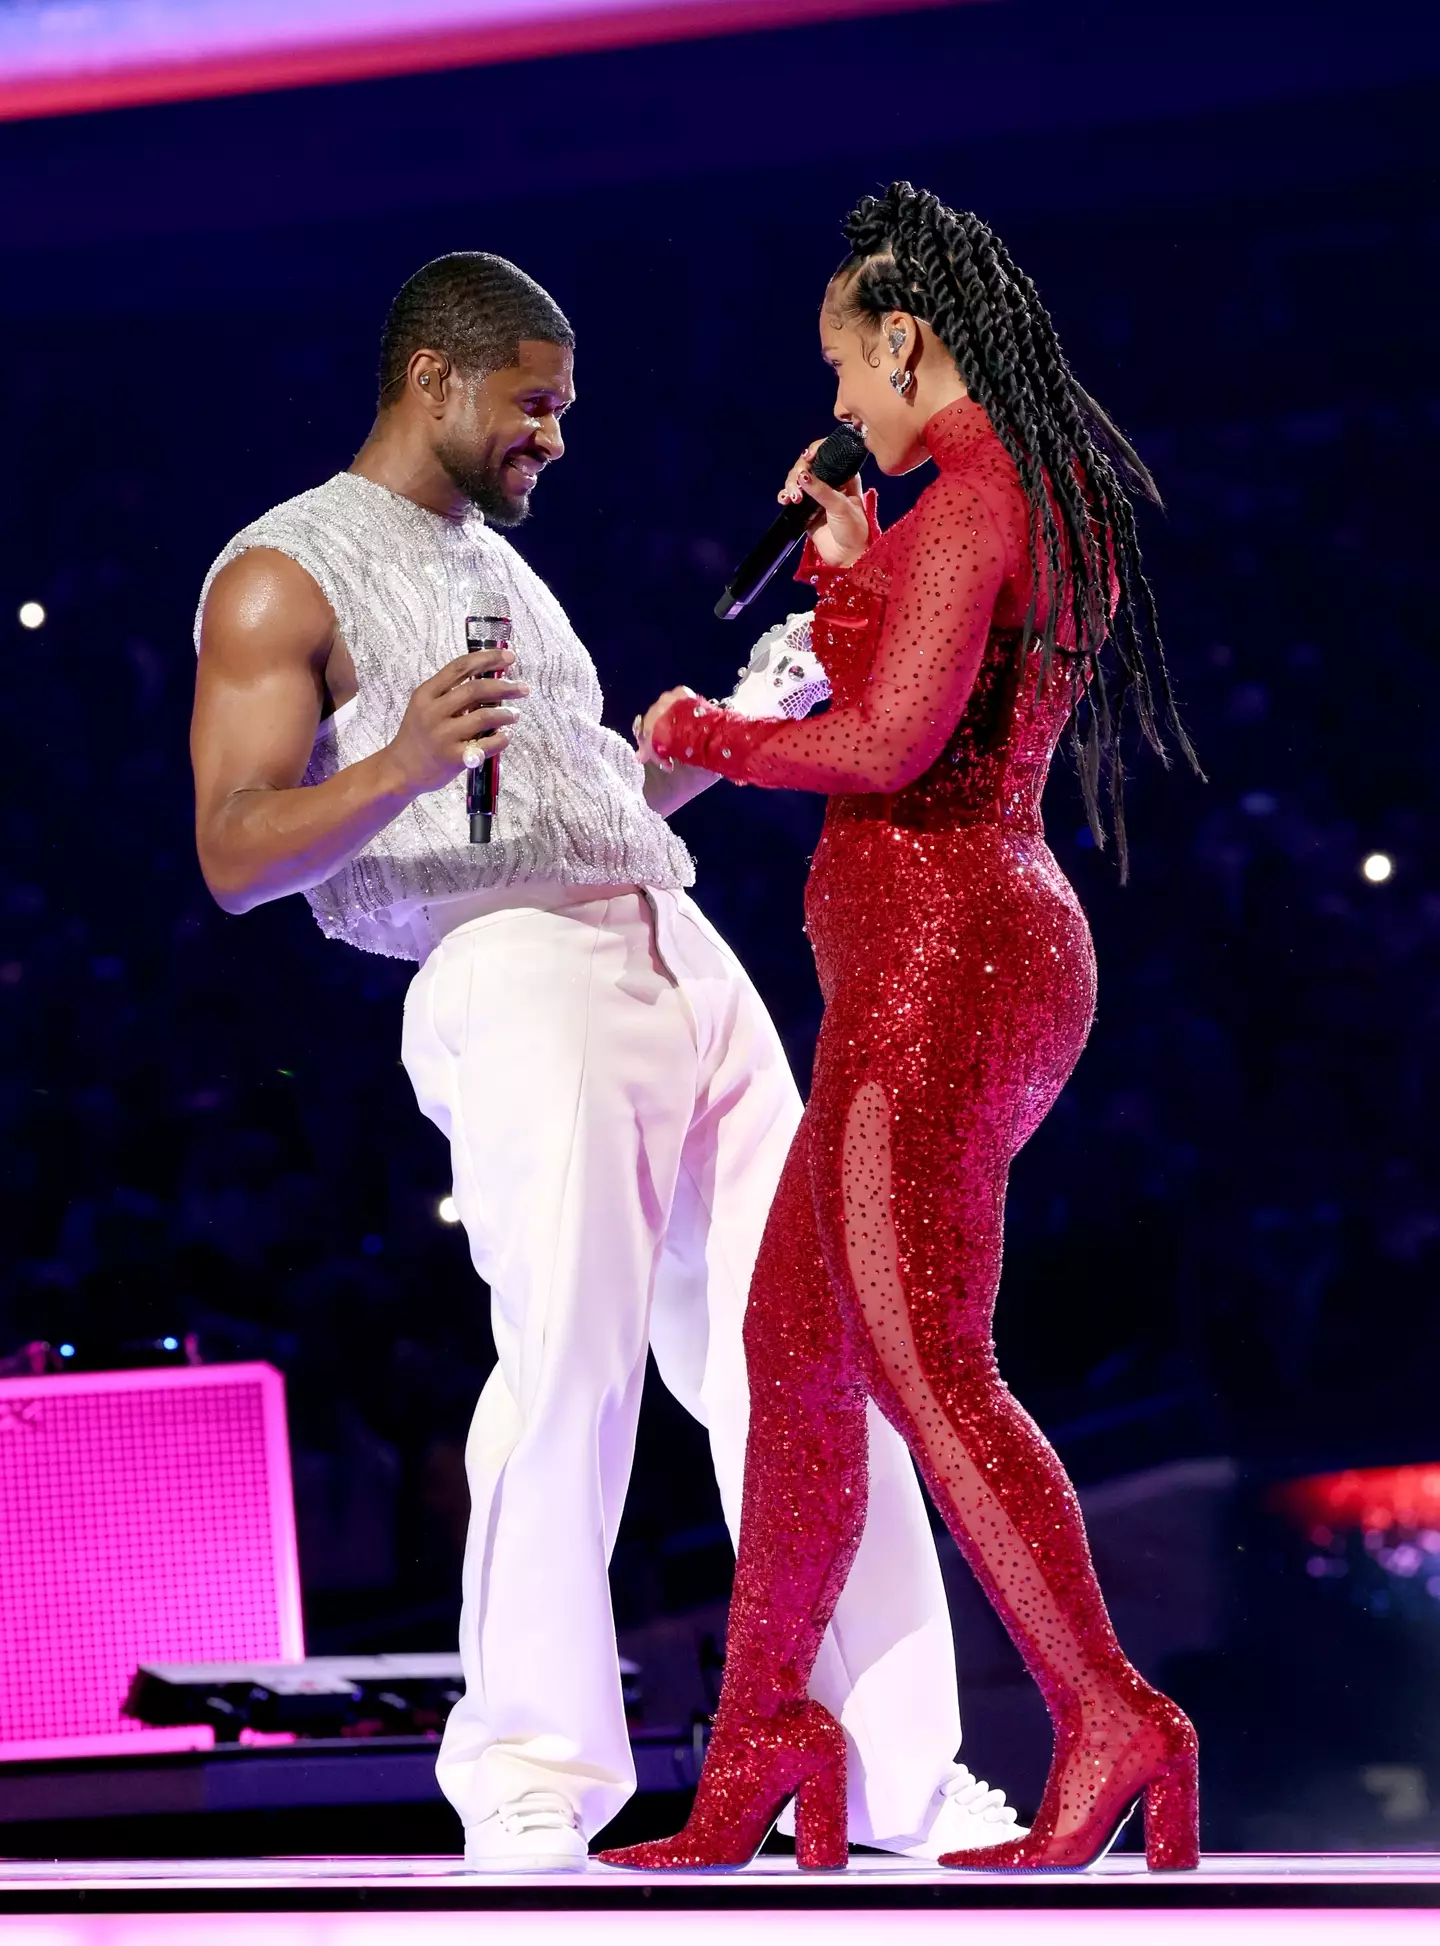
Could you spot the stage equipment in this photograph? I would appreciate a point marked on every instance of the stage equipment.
(325, 1696)
(838, 459)
(147, 1516)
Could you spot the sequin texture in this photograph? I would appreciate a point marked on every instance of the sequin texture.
(572, 804)
(959, 987)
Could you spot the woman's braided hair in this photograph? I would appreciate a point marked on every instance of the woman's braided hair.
(909, 252)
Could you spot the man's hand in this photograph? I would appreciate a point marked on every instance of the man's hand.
(844, 534)
(465, 703)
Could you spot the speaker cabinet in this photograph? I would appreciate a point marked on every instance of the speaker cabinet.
(144, 1517)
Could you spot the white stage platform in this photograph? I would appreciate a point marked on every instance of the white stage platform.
(1241, 1900)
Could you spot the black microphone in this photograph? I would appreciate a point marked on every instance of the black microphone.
(839, 459)
(487, 626)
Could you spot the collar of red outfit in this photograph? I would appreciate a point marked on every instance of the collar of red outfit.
(953, 433)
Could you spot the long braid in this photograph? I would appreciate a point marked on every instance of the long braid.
(909, 252)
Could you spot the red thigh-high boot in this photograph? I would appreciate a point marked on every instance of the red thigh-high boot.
(914, 1217)
(802, 1516)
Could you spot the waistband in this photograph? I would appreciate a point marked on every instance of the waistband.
(431, 923)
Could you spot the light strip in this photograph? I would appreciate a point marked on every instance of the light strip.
(62, 57)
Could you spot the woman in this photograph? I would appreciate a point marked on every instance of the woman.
(958, 978)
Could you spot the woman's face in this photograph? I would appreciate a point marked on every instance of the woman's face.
(859, 354)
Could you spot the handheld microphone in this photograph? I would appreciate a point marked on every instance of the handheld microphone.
(487, 626)
(838, 459)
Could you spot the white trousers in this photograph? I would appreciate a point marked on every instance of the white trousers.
(618, 1107)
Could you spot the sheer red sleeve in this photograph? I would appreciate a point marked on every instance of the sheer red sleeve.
(818, 573)
(947, 565)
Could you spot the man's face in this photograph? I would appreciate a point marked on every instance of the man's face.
(505, 429)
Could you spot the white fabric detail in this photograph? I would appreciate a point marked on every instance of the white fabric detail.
(618, 1108)
(784, 676)
(572, 805)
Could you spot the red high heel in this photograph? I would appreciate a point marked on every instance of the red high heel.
(1160, 1764)
(750, 1774)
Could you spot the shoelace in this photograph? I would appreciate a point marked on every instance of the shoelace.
(536, 1811)
(976, 1796)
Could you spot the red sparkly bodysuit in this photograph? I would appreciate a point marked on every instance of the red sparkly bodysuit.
(959, 985)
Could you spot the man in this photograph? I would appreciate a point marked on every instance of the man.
(616, 1099)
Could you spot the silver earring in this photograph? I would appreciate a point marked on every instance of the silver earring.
(897, 338)
(902, 381)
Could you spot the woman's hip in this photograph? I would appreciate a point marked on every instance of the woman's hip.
(986, 917)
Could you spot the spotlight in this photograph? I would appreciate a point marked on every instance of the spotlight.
(169, 1344)
(1377, 867)
(32, 615)
(67, 1351)
(447, 1211)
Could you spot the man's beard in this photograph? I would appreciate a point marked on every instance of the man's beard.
(480, 485)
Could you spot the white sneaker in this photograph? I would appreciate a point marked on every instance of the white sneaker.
(538, 1832)
(970, 1816)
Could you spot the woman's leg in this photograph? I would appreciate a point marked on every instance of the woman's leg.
(806, 1474)
(911, 1149)
(802, 1515)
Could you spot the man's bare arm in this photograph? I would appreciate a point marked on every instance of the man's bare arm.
(669, 786)
(266, 636)
(668, 791)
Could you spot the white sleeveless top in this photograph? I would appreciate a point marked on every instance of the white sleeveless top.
(572, 809)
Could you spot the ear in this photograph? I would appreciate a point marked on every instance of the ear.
(427, 379)
(900, 335)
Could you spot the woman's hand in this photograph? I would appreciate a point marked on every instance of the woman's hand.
(646, 723)
(844, 534)
(668, 785)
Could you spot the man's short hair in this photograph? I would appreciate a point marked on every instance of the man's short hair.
(472, 307)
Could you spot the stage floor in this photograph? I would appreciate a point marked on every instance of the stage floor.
(1240, 1900)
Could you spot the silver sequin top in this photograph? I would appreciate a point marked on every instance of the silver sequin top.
(572, 808)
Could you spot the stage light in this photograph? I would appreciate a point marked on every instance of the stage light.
(67, 1351)
(169, 1344)
(447, 1211)
(32, 615)
(1377, 867)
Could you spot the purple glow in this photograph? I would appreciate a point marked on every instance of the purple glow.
(148, 1517)
(714, 1928)
(57, 57)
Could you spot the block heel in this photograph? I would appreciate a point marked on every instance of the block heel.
(821, 1840)
(1172, 1817)
(753, 1768)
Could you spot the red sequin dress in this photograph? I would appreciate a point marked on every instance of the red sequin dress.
(959, 986)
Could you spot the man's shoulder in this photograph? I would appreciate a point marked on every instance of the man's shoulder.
(316, 507)
(304, 528)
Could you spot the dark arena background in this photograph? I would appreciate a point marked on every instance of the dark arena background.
(1220, 1295)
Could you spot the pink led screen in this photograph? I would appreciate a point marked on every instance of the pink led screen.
(57, 58)
(144, 1517)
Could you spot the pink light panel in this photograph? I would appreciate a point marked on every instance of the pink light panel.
(57, 57)
(144, 1517)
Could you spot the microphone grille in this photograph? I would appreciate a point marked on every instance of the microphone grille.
(484, 605)
(839, 457)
